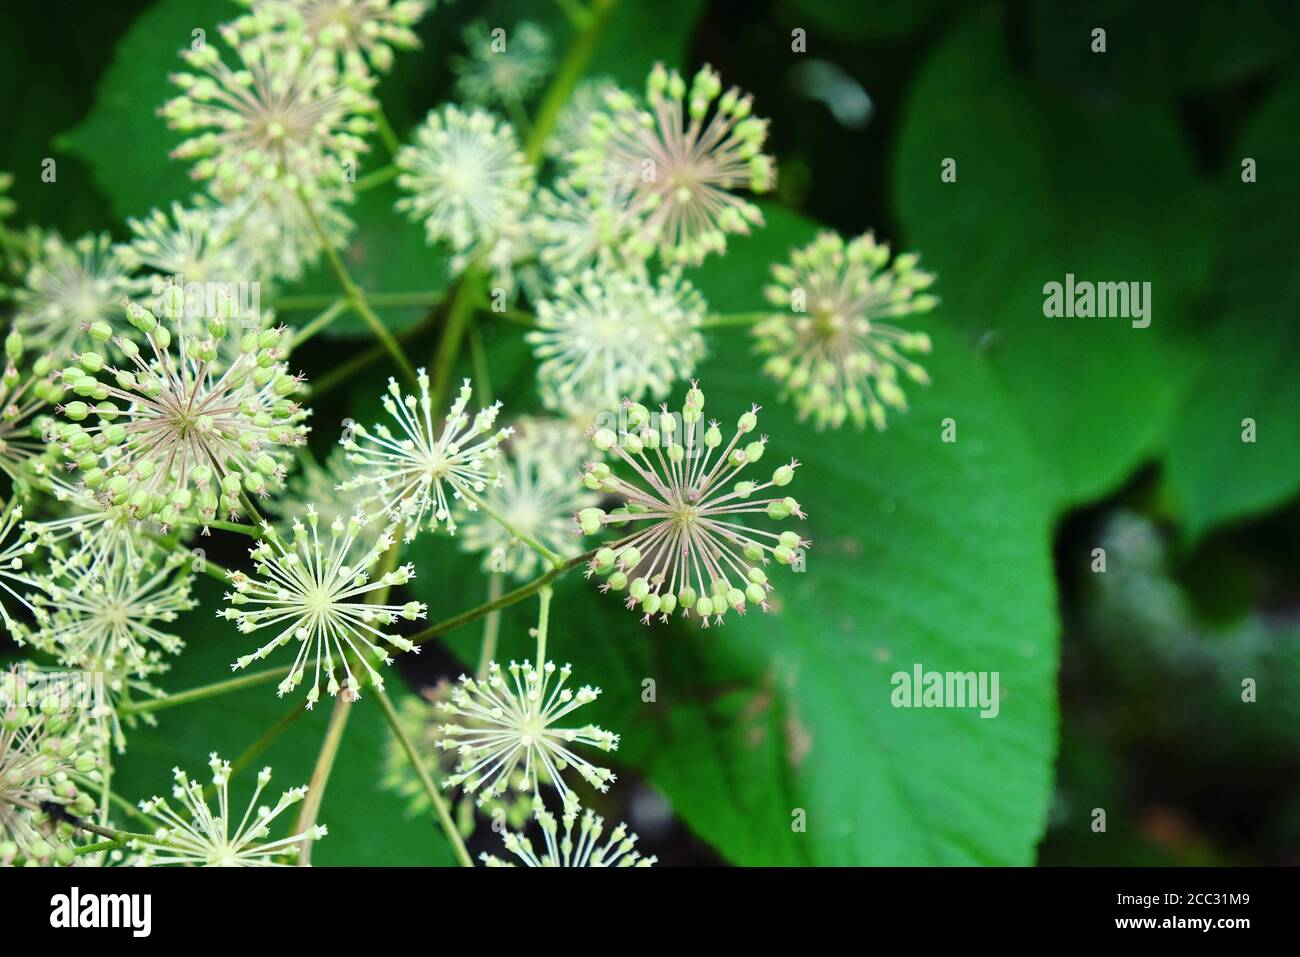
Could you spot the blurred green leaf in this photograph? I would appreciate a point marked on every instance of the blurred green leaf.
(882, 19)
(123, 140)
(1253, 369)
(1151, 54)
(1042, 190)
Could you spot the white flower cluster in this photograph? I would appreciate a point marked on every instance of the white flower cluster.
(147, 402)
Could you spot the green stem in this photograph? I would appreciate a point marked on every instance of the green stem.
(478, 358)
(491, 627)
(116, 838)
(520, 316)
(339, 718)
(377, 178)
(203, 692)
(321, 775)
(327, 316)
(394, 300)
(509, 598)
(355, 294)
(348, 370)
(207, 566)
(386, 132)
(719, 319)
(422, 637)
(422, 771)
(505, 523)
(543, 623)
(252, 531)
(566, 77)
(268, 736)
(459, 313)
(575, 13)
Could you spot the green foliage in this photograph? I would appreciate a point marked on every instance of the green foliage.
(1253, 357)
(123, 140)
(924, 551)
(1044, 189)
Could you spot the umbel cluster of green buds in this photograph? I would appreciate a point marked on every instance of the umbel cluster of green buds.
(179, 432)
(832, 351)
(23, 397)
(689, 551)
(42, 754)
(679, 161)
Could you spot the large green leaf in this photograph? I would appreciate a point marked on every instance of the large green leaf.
(1044, 189)
(1253, 366)
(123, 140)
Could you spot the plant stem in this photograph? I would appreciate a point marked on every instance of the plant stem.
(339, 718)
(321, 775)
(424, 636)
(386, 131)
(491, 627)
(478, 357)
(205, 691)
(566, 77)
(268, 736)
(299, 336)
(509, 598)
(391, 299)
(116, 838)
(519, 316)
(355, 294)
(459, 313)
(206, 566)
(348, 370)
(377, 178)
(733, 319)
(543, 623)
(422, 771)
(550, 556)
(252, 531)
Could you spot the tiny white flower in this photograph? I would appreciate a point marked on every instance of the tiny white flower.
(362, 32)
(690, 549)
(197, 835)
(282, 113)
(605, 335)
(417, 474)
(507, 723)
(536, 495)
(681, 159)
(27, 399)
(584, 850)
(43, 756)
(315, 594)
(467, 179)
(17, 544)
(502, 68)
(177, 431)
(69, 288)
(110, 623)
(832, 350)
